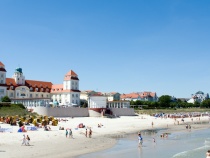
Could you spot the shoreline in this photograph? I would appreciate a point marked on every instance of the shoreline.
(50, 144)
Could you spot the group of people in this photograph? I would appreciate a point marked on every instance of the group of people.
(88, 133)
(26, 140)
(69, 133)
(188, 127)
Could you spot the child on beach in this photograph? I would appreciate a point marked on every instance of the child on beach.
(140, 139)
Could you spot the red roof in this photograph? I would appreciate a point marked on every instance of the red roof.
(1, 64)
(38, 84)
(10, 81)
(42, 86)
(71, 75)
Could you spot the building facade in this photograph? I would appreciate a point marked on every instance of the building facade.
(142, 96)
(198, 97)
(39, 93)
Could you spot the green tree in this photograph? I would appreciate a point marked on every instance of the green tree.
(196, 104)
(6, 99)
(205, 104)
(165, 100)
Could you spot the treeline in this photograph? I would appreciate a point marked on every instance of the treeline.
(165, 101)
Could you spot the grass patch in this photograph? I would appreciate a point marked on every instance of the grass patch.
(15, 109)
(179, 110)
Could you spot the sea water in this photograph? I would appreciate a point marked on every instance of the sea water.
(185, 144)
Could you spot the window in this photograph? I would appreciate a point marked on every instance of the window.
(36, 89)
(77, 95)
(47, 96)
(31, 89)
(22, 95)
(2, 75)
(42, 95)
(2, 82)
(72, 95)
(30, 95)
(11, 94)
(1, 91)
(23, 89)
(36, 95)
(18, 94)
(72, 101)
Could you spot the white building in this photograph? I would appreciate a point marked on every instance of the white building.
(84, 95)
(97, 102)
(67, 93)
(39, 93)
(198, 97)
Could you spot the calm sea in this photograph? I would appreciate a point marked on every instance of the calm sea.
(187, 144)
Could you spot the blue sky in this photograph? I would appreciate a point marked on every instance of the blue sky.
(113, 45)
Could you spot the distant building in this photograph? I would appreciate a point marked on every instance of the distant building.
(198, 97)
(87, 93)
(118, 104)
(142, 96)
(113, 96)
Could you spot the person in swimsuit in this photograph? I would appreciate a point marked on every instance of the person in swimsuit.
(208, 154)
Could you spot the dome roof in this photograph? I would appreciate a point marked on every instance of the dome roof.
(199, 92)
(19, 70)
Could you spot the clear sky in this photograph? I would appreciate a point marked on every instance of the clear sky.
(125, 46)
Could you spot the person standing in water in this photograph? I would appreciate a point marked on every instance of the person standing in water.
(208, 154)
(140, 139)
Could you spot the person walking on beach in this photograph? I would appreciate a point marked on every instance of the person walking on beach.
(90, 133)
(152, 124)
(24, 140)
(140, 140)
(27, 140)
(86, 132)
(70, 134)
(66, 133)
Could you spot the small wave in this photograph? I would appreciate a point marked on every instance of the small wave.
(188, 154)
(207, 142)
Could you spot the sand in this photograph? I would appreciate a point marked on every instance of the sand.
(54, 144)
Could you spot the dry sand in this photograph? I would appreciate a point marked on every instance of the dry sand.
(54, 144)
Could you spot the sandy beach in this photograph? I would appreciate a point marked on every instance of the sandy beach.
(54, 144)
